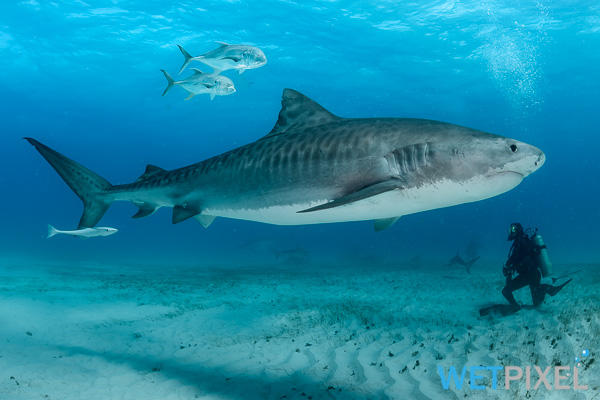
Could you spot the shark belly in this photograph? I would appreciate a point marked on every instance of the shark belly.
(395, 203)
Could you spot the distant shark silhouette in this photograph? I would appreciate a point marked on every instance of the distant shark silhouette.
(296, 252)
(457, 260)
(566, 274)
(315, 167)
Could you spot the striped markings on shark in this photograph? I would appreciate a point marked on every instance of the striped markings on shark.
(315, 167)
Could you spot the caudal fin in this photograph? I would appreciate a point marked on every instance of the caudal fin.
(88, 186)
(170, 82)
(470, 263)
(276, 252)
(187, 57)
(51, 231)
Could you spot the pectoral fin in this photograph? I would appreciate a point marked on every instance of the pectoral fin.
(361, 194)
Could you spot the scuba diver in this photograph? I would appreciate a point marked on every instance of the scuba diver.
(529, 259)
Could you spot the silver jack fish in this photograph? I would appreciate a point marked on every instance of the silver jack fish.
(315, 167)
(83, 233)
(228, 56)
(199, 83)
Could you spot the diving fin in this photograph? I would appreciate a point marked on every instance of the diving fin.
(553, 290)
(565, 275)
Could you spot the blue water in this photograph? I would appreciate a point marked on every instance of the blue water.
(85, 79)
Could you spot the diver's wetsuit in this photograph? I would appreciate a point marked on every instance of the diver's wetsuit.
(521, 260)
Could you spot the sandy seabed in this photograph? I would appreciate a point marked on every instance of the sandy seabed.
(295, 332)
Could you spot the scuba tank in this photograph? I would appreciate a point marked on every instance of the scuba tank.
(541, 255)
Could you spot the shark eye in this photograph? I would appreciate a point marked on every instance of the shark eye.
(514, 148)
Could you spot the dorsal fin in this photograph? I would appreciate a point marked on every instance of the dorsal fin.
(298, 111)
(221, 44)
(150, 172)
(196, 71)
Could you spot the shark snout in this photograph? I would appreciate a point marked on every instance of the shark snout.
(532, 159)
(541, 159)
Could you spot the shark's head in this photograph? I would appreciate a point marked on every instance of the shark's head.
(524, 158)
(486, 164)
(493, 155)
(254, 58)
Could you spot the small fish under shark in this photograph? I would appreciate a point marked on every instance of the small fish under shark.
(200, 82)
(228, 56)
(315, 167)
(83, 233)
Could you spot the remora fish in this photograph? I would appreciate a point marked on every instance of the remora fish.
(228, 56)
(200, 82)
(82, 233)
(314, 167)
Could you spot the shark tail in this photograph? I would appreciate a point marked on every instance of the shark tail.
(187, 57)
(51, 231)
(170, 82)
(276, 252)
(88, 186)
(470, 263)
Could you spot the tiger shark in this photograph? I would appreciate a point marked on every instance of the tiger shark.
(315, 167)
